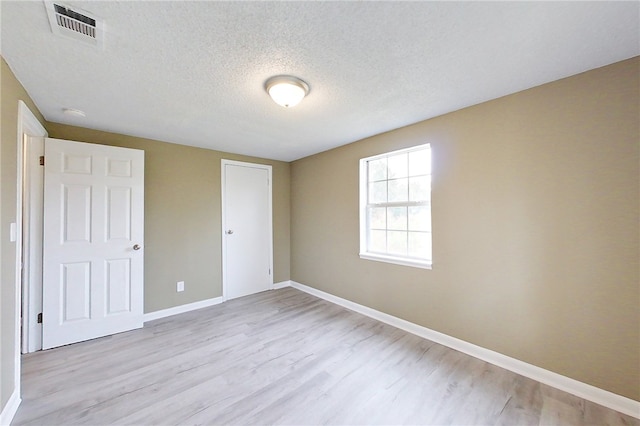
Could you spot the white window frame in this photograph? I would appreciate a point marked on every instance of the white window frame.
(364, 225)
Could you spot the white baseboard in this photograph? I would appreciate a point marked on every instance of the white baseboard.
(282, 284)
(9, 410)
(197, 305)
(583, 390)
(182, 309)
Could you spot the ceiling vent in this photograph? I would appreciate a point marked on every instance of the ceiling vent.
(75, 23)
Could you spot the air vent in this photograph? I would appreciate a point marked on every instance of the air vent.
(75, 23)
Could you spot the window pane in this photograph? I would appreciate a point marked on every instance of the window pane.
(420, 188)
(398, 166)
(378, 169)
(397, 206)
(420, 218)
(397, 218)
(378, 218)
(378, 241)
(397, 243)
(420, 162)
(378, 192)
(420, 245)
(398, 189)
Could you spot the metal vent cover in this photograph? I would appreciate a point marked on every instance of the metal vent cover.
(75, 23)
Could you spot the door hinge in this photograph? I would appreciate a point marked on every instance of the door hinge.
(42, 160)
(40, 318)
(269, 271)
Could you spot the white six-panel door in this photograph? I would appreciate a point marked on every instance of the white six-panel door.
(247, 230)
(93, 244)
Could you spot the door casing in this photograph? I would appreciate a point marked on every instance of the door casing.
(28, 127)
(32, 220)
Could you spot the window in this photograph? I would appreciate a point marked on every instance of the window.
(395, 207)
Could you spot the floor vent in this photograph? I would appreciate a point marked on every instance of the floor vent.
(75, 23)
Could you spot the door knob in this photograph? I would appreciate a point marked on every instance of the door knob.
(136, 246)
(230, 231)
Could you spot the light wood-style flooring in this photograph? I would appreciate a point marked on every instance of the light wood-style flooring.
(283, 357)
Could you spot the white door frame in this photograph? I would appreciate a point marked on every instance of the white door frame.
(224, 228)
(32, 221)
(28, 126)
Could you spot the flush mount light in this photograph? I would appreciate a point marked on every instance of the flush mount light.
(73, 112)
(286, 90)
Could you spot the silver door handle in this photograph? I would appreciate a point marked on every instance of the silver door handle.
(136, 247)
(230, 231)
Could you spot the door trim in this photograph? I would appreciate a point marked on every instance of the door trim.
(268, 168)
(32, 220)
(28, 125)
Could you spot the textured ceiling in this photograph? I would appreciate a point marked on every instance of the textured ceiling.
(193, 72)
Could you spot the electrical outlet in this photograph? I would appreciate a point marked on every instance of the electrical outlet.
(180, 286)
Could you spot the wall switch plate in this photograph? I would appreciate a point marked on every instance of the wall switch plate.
(180, 286)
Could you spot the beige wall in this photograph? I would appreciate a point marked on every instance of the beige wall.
(11, 92)
(535, 227)
(536, 234)
(183, 218)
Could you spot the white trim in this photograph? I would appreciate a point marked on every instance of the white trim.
(282, 284)
(396, 260)
(9, 411)
(32, 220)
(223, 180)
(365, 204)
(591, 393)
(27, 124)
(181, 309)
(197, 305)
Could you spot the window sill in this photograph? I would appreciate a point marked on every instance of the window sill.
(396, 260)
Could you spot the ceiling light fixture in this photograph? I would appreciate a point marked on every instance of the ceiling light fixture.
(286, 90)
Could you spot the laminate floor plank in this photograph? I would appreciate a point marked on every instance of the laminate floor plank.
(288, 358)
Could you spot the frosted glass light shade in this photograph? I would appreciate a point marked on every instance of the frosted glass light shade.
(286, 91)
